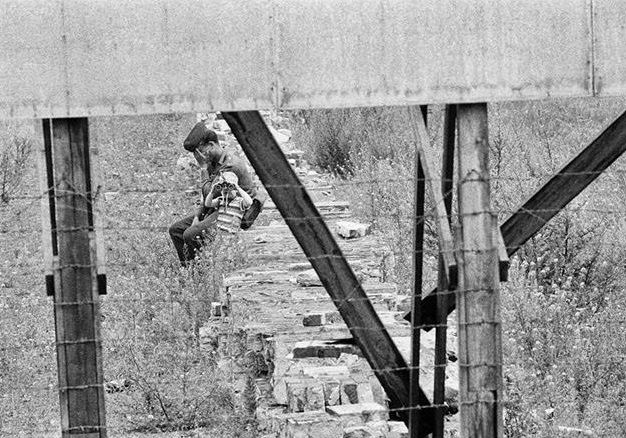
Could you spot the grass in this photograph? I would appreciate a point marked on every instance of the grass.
(564, 305)
(563, 308)
(153, 310)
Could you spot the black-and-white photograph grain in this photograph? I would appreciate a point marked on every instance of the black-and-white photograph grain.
(312, 218)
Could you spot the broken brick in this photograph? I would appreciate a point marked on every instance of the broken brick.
(312, 425)
(322, 349)
(304, 396)
(358, 414)
(314, 320)
(349, 392)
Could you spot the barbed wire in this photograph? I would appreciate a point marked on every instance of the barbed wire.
(557, 430)
(506, 402)
(114, 225)
(312, 369)
(329, 343)
(333, 182)
(101, 192)
(456, 217)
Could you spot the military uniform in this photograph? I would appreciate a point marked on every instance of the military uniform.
(186, 236)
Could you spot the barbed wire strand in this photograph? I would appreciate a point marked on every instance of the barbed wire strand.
(114, 225)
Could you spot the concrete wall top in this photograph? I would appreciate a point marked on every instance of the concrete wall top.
(94, 57)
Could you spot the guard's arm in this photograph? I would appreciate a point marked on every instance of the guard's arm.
(211, 201)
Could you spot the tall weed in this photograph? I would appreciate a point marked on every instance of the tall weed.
(154, 342)
(563, 307)
(371, 152)
(15, 153)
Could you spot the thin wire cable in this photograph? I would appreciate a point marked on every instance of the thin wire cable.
(116, 225)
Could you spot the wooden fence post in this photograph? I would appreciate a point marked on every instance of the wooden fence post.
(480, 352)
(443, 285)
(416, 302)
(76, 302)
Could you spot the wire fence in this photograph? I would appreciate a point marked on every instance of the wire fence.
(172, 364)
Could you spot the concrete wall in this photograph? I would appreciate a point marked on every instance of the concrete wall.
(95, 57)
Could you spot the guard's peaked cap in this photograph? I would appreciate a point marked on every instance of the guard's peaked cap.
(199, 134)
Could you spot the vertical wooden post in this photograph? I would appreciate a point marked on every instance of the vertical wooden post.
(441, 357)
(76, 302)
(480, 354)
(416, 322)
(48, 219)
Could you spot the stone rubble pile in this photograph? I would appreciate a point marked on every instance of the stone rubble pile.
(293, 363)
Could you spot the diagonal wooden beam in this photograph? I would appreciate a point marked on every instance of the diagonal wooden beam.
(418, 265)
(441, 351)
(572, 179)
(444, 234)
(418, 259)
(322, 251)
(551, 198)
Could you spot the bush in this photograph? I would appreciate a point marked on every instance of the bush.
(155, 343)
(563, 307)
(371, 152)
(155, 309)
(564, 293)
(15, 153)
(338, 140)
(561, 356)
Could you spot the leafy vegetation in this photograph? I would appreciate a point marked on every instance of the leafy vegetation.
(154, 343)
(167, 379)
(563, 307)
(15, 152)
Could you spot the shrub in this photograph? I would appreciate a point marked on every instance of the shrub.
(371, 152)
(155, 343)
(338, 140)
(563, 306)
(15, 152)
(561, 356)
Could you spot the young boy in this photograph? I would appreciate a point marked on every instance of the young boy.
(230, 201)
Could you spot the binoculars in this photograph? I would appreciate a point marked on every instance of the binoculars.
(223, 186)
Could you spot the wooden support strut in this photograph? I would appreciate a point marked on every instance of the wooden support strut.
(565, 185)
(441, 215)
(76, 302)
(416, 302)
(321, 249)
(441, 353)
(550, 199)
(48, 219)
